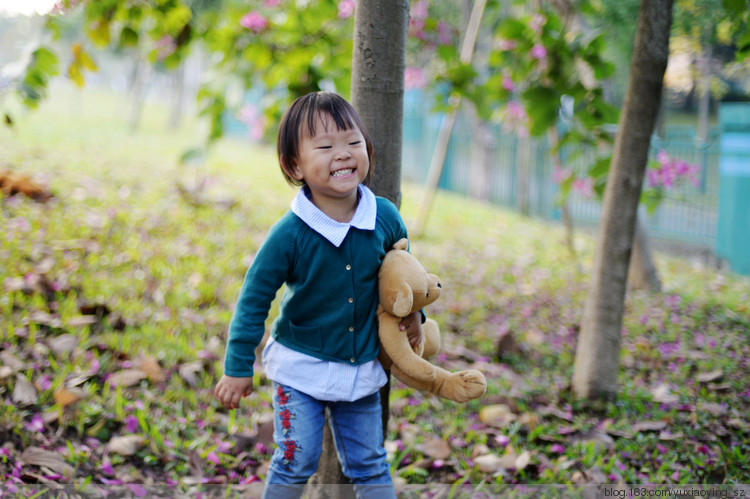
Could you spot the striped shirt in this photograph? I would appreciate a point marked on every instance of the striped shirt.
(323, 379)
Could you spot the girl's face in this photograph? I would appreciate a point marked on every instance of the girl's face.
(332, 162)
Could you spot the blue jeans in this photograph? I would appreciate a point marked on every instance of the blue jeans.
(298, 433)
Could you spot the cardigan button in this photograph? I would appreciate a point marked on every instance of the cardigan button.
(348, 267)
(351, 300)
(352, 360)
(351, 329)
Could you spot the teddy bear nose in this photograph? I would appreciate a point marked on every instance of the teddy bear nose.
(440, 285)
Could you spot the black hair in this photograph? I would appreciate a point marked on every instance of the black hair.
(304, 112)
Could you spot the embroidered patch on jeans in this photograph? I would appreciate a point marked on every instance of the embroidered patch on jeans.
(290, 446)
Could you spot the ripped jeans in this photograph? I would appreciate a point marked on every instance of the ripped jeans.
(298, 433)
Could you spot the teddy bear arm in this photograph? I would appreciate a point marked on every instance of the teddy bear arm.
(461, 386)
(396, 345)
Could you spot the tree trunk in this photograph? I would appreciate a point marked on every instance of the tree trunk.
(597, 355)
(378, 63)
(643, 273)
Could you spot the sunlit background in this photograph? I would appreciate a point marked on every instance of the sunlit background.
(26, 7)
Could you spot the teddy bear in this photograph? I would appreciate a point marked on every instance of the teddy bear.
(404, 287)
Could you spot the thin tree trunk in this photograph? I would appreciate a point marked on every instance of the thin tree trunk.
(378, 64)
(446, 127)
(643, 273)
(598, 352)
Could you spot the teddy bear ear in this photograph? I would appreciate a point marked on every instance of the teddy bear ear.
(401, 244)
(404, 301)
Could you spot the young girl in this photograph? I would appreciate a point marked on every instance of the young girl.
(323, 348)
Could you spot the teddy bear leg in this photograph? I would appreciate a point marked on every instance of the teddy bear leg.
(461, 386)
(396, 345)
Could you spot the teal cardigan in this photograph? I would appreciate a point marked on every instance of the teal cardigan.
(328, 309)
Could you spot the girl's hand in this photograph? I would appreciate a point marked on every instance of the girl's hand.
(230, 390)
(412, 324)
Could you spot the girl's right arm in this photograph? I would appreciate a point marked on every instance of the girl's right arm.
(230, 390)
(267, 273)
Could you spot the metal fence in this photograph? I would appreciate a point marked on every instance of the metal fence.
(488, 163)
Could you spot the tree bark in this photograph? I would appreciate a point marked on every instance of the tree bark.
(642, 273)
(378, 64)
(597, 355)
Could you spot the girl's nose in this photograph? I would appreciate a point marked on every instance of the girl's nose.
(343, 155)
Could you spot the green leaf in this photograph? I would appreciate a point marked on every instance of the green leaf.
(128, 37)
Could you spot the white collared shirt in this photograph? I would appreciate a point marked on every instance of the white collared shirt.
(322, 379)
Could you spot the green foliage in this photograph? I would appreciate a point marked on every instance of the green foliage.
(41, 67)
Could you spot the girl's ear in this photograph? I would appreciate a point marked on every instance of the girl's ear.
(291, 168)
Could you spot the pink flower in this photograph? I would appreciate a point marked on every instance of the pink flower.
(584, 186)
(557, 448)
(272, 3)
(165, 47)
(419, 11)
(538, 52)
(416, 28)
(508, 83)
(414, 78)
(254, 21)
(506, 44)
(444, 33)
(346, 9)
(560, 174)
(537, 21)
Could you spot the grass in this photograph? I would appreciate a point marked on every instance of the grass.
(117, 294)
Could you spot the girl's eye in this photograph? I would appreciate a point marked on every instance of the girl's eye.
(355, 143)
(323, 147)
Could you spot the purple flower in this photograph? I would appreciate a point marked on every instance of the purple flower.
(254, 21)
(107, 468)
(36, 424)
(131, 424)
(508, 83)
(557, 448)
(502, 440)
(538, 52)
(213, 458)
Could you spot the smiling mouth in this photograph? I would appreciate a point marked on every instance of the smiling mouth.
(343, 172)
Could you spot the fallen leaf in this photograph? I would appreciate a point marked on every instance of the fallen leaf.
(436, 448)
(126, 377)
(710, 376)
(126, 445)
(488, 463)
(713, 408)
(189, 372)
(68, 396)
(663, 394)
(498, 415)
(601, 440)
(82, 320)
(154, 372)
(52, 460)
(523, 460)
(11, 361)
(530, 420)
(63, 344)
(24, 392)
(645, 426)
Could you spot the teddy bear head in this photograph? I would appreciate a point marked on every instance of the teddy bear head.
(403, 284)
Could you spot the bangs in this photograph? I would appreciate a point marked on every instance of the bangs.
(340, 111)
